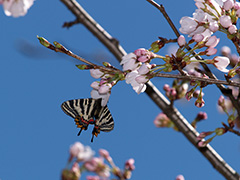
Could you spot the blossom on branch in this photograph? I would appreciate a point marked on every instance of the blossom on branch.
(95, 165)
(16, 8)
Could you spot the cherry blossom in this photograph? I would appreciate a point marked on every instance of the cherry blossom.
(16, 8)
(85, 155)
(96, 73)
(129, 62)
(212, 41)
(131, 79)
(221, 63)
(76, 148)
(188, 25)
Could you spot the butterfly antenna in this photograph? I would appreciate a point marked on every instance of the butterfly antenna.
(80, 131)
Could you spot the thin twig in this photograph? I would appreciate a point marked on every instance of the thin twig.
(181, 123)
(189, 77)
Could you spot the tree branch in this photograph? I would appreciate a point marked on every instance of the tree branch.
(210, 80)
(182, 124)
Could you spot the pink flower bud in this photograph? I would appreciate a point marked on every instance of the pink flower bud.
(227, 5)
(213, 26)
(225, 21)
(96, 73)
(199, 102)
(95, 85)
(162, 121)
(181, 41)
(104, 153)
(232, 29)
(141, 52)
(180, 177)
(129, 164)
(201, 116)
(166, 87)
(212, 41)
(211, 51)
(144, 58)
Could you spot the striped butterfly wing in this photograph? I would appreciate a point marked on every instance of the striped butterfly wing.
(82, 110)
(104, 122)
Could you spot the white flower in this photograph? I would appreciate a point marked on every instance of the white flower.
(130, 62)
(96, 73)
(86, 154)
(16, 8)
(221, 63)
(188, 25)
(144, 69)
(200, 15)
(96, 95)
(76, 148)
(131, 79)
(212, 41)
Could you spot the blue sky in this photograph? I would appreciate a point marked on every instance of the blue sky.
(35, 134)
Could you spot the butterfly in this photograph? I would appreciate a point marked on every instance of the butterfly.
(89, 111)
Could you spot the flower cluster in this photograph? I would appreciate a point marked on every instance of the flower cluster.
(82, 159)
(233, 120)
(102, 88)
(211, 16)
(16, 8)
(177, 91)
(137, 66)
(108, 76)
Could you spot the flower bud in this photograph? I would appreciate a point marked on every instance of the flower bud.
(225, 21)
(96, 73)
(232, 29)
(181, 41)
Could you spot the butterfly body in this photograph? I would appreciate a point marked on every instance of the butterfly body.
(89, 111)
